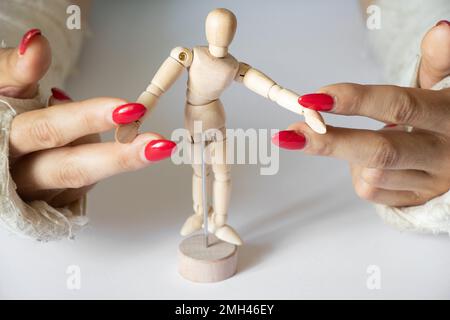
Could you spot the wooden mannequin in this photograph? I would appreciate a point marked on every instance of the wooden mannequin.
(211, 70)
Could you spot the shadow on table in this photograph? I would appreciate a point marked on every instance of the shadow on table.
(266, 234)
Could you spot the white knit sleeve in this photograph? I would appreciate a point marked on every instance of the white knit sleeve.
(397, 43)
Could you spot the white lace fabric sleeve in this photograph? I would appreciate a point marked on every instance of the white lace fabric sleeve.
(404, 23)
(432, 217)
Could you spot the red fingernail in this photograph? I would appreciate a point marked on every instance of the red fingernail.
(317, 101)
(128, 113)
(390, 125)
(443, 22)
(27, 38)
(289, 139)
(159, 149)
(58, 94)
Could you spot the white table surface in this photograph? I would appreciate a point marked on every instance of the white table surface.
(306, 233)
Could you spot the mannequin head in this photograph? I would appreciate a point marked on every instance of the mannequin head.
(220, 28)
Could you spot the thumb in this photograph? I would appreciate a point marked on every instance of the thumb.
(435, 64)
(21, 68)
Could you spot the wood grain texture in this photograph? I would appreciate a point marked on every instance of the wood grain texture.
(215, 263)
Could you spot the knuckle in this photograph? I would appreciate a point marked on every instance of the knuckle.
(354, 89)
(320, 146)
(350, 98)
(373, 177)
(323, 149)
(126, 162)
(385, 154)
(440, 150)
(72, 175)
(44, 134)
(88, 122)
(404, 107)
(366, 191)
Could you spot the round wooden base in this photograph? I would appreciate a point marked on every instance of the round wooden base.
(199, 263)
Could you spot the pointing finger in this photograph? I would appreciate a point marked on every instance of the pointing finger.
(384, 149)
(57, 126)
(424, 109)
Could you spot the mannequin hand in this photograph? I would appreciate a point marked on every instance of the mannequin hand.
(389, 166)
(55, 152)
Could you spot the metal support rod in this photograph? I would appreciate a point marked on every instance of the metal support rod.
(204, 195)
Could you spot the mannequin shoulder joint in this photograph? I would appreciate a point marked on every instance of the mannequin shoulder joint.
(243, 68)
(182, 55)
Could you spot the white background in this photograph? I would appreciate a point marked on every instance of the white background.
(306, 233)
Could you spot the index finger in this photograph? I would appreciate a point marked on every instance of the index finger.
(59, 125)
(385, 149)
(424, 109)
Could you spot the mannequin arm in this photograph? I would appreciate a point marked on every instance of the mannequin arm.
(258, 82)
(165, 77)
(171, 69)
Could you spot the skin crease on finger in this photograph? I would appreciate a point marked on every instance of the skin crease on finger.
(368, 190)
(383, 185)
(398, 198)
(62, 197)
(51, 127)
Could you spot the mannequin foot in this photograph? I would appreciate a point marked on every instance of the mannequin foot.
(192, 224)
(223, 231)
(228, 234)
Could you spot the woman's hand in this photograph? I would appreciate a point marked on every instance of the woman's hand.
(55, 152)
(390, 166)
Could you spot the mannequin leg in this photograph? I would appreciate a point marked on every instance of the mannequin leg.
(221, 195)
